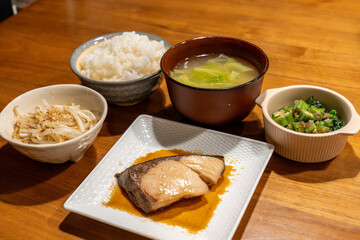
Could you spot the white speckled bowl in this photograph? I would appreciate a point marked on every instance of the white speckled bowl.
(120, 92)
(305, 147)
(73, 149)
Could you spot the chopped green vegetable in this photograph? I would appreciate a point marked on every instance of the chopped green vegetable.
(333, 112)
(310, 126)
(337, 123)
(317, 112)
(308, 117)
(299, 126)
(321, 128)
(301, 105)
(328, 122)
(296, 117)
(285, 119)
(314, 103)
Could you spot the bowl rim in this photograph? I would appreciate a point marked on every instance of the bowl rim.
(261, 75)
(55, 145)
(97, 40)
(344, 130)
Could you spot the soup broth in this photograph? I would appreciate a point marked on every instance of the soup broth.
(214, 71)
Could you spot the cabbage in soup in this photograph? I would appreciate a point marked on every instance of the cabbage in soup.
(219, 71)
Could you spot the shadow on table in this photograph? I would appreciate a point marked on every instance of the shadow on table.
(345, 165)
(250, 127)
(252, 204)
(90, 229)
(27, 182)
(24, 181)
(119, 118)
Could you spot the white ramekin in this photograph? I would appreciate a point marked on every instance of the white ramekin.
(305, 147)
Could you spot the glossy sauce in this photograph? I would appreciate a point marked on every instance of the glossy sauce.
(192, 214)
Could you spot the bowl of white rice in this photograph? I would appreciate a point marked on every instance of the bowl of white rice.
(124, 67)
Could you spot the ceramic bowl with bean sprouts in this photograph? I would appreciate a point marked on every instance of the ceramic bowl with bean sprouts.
(54, 124)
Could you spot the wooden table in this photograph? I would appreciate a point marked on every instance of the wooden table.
(313, 42)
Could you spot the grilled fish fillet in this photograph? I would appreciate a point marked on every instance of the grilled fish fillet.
(160, 182)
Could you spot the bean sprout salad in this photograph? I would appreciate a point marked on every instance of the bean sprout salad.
(52, 124)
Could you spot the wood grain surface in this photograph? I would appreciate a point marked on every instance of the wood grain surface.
(307, 41)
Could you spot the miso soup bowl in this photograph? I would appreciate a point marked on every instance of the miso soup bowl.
(307, 147)
(214, 106)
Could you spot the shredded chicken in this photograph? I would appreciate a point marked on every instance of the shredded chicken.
(52, 124)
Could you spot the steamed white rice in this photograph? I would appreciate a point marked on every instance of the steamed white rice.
(124, 57)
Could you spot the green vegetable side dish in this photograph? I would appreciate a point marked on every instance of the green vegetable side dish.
(308, 117)
(214, 71)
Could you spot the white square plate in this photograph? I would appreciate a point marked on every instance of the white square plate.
(149, 134)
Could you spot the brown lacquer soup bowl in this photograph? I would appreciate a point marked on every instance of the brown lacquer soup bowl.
(208, 105)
